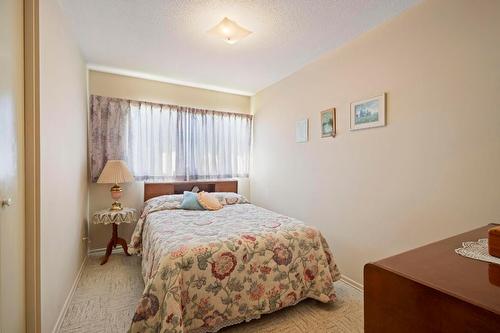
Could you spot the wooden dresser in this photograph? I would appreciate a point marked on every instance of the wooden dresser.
(433, 289)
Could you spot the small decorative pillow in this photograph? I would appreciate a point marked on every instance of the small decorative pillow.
(208, 201)
(190, 201)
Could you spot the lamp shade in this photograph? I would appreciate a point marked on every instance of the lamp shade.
(115, 172)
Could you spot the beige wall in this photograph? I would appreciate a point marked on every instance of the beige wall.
(431, 173)
(113, 85)
(119, 86)
(63, 158)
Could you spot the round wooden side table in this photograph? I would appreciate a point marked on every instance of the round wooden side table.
(115, 217)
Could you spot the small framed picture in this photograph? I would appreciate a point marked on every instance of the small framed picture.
(302, 130)
(368, 113)
(328, 123)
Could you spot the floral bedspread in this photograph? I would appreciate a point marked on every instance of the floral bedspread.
(205, 270)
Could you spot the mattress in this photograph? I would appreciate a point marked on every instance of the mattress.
(204, 270)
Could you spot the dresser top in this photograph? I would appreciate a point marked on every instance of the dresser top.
(436, 265)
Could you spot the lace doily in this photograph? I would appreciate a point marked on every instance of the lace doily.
(477, 250)
(107, 216)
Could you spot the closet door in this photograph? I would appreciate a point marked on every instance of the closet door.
(12, 279)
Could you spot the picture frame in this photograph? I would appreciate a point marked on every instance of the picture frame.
(368, 113)
(302, 130)
(328, 123)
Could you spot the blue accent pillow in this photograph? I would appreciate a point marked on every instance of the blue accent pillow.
(190, 201)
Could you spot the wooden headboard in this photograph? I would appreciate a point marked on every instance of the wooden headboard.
(152, 190)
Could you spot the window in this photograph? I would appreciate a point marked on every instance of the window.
(166, 142)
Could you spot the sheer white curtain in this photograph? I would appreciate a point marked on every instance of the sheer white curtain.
(215, 145)
(152, 141)
(166, 142)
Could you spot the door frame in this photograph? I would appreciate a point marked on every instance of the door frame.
(32, 165)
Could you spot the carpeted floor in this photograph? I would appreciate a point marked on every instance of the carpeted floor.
(106, 297)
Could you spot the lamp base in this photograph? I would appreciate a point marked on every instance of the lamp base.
(116, 193)
(116, 206)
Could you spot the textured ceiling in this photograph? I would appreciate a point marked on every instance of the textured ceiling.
(167, 37)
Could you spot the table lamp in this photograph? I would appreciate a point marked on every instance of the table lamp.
(115, 172)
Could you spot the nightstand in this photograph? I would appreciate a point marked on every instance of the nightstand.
(115, 217)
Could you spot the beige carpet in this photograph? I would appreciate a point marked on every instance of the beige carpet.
(106, 296)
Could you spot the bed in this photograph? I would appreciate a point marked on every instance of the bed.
(205, 270)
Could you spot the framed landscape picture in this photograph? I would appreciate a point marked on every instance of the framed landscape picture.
(368, 113)
(328, 123)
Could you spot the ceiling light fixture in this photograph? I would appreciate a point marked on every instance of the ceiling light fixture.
(229, 30)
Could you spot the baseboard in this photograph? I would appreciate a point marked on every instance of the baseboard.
(102, 251)
(352, 283)
(64, 309)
